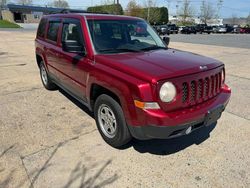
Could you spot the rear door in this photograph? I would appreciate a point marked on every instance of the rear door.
(51, 48)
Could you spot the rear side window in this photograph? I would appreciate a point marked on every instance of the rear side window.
(53, 30)
(42, 28)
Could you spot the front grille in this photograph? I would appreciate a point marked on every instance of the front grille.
(196, 91)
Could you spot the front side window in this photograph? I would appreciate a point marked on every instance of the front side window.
(53, 30)
(72, 32)
(114, 36)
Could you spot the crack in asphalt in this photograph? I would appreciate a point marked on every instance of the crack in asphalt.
(26, 171)
(63, 142)
(15, 65)
(237, 115)
(238, 76)
(46, 164)
(21, 91)
(6, 150)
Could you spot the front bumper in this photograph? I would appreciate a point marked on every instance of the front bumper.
(163, 132)
(163, 125)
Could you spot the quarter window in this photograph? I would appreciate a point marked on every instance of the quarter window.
(42, 28)
(53, 30)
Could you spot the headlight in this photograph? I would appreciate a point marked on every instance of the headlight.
(167, 92)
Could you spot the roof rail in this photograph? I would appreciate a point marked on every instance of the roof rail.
(67, 11)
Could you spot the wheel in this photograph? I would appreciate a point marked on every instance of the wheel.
(110, 121)
(47, 83)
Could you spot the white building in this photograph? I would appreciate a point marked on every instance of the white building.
(196, 20)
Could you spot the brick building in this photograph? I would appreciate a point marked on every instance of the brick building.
(28, 14)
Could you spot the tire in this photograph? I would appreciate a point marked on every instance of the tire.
(108, 111)
(47, 83)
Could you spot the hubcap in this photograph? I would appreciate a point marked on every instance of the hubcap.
(107, 121)
(44, 75)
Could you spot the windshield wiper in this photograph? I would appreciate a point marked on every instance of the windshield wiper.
(119, 50)
(153, 48)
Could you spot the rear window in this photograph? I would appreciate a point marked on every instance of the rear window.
(53, 30)
(42, 28)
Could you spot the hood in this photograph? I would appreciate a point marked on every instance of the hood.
(158, 64)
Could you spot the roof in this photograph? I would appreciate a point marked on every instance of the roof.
(48, 10)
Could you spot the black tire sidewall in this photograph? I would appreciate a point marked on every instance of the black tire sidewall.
(50, 85)
(122, 135)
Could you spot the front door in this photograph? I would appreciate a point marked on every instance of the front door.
(73, 66)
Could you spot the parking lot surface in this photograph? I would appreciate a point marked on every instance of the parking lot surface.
(47, 139)
(228, 40)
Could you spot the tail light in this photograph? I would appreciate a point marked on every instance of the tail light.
(223, 77)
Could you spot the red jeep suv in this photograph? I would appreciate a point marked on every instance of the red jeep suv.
(135, 85)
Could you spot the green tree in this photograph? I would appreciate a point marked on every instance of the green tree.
(111, 9)
(163, 15)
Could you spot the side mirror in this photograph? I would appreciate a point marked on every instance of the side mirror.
(166, 40)
(73, 47)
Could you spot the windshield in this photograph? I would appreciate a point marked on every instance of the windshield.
(117, 36)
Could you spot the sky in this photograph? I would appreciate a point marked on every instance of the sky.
(239, 8)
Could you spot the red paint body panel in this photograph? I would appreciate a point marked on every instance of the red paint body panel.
(133, 76)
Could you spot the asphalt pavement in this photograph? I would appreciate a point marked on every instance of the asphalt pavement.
(226, 40)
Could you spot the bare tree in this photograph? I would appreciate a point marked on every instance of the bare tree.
(207, 11)
(60, 4)
(248, 19)
(24, 2)
(234, 20)
(186, 10)
(134, 9)
(219, 6)
(3, 3)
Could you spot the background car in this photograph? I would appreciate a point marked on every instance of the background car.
(189, 30)
(221, 29)
(229, 28)
(214, 28)
(236, 29)
(245, 30)
(163, 30)
(180, 28)
(173, 29)
(203, 28)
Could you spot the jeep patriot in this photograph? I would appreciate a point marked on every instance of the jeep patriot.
(127, 76)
